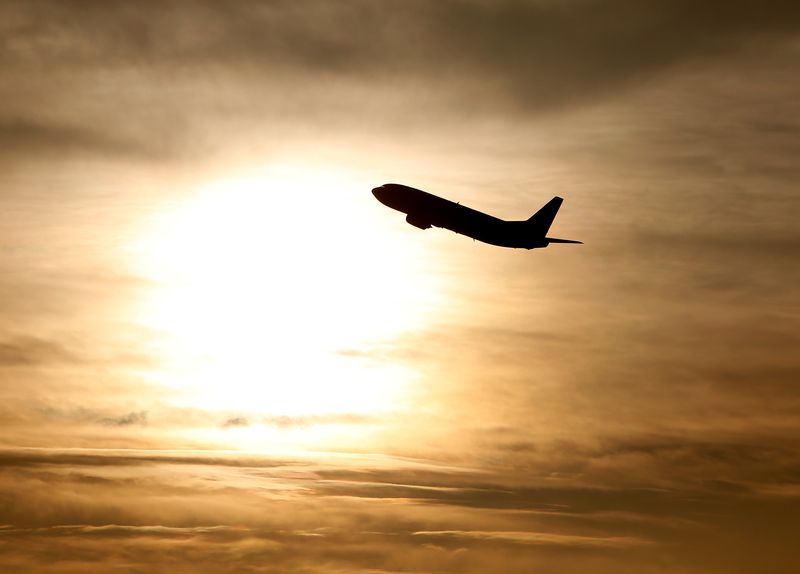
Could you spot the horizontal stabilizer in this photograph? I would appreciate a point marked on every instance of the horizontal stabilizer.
(554, 240)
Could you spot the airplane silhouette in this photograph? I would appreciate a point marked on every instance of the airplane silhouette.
(424, 210)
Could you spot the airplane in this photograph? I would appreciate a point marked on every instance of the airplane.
(426, 210)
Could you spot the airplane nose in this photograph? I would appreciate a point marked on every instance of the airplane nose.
(378, 191)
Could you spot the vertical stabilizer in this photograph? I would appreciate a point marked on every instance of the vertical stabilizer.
(542, 219)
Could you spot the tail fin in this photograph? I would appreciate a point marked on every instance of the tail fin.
(542, 219)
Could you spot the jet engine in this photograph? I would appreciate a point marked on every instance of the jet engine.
(418, 222)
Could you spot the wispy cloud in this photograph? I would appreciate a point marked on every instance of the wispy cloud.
(132, 418)
(21, 138)
(29, 351)
(385, 507)
(534, 538)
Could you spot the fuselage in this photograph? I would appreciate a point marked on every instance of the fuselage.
(424, 210)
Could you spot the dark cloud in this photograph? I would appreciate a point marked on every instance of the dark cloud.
(20, 138)
(236, 422)
(35, 457)
(554, 53)
(544, 54)
(132, 418)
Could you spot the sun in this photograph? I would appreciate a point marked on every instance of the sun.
(271, 292)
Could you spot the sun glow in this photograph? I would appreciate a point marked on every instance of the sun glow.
(272, 292)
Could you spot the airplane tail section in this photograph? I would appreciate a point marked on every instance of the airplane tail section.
(542, 219)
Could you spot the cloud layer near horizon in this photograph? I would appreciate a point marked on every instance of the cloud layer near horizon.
(183, 511)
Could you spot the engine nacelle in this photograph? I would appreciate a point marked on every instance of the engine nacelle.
(418, 222)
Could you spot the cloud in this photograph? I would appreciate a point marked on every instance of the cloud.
(550, 53)
(544, 54)
(25, 137)
(132, 457)
(235, 422)
(132, 418)
(380, 512)
(289, 422)
(31, 351)
(535, 538)
(326, 419)
(119, 531)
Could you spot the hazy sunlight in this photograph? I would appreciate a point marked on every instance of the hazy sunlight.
(271, 290)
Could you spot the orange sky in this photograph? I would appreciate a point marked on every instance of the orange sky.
(219, 353)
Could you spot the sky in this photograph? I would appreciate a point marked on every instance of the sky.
(219, 353)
